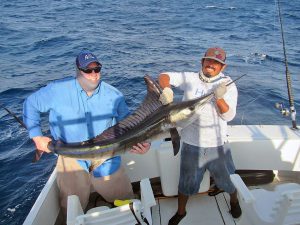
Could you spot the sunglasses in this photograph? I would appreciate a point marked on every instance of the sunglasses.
(90, 70)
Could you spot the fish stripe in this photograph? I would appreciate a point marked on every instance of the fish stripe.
(149, 105)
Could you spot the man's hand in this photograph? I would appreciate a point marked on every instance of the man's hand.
(41, 143)
(220, 91)
(166, 96)
(140, 148)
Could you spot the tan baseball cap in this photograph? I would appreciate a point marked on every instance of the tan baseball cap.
(215, 53)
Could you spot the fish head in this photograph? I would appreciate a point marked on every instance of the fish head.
(185, 112)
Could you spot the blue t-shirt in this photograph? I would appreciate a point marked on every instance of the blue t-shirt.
(73, 115)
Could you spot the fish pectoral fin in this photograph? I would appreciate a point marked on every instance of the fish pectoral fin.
(175, 140)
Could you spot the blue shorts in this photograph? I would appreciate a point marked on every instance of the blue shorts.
(108, 167)
(195, 160)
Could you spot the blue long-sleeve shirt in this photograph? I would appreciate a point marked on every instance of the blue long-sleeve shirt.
(73, 115)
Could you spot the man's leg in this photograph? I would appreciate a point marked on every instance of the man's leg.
(182, 201)
(181, 212)
(221, 168)
(191, 175)
(233, 197)
(114, 186)
(235, 208)
(72, 179)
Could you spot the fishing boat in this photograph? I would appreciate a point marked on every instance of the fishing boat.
(267, 159)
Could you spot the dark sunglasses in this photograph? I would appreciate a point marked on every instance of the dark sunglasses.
(97, 69)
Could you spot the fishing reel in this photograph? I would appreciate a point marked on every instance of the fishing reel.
(284, 111)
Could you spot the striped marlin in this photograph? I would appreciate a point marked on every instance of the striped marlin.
(148, 122)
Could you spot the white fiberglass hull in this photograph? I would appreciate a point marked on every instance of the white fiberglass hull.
(255, 147)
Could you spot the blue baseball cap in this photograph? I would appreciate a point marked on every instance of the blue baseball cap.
(84, 58)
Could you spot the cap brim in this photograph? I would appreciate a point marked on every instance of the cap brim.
(89, 62)
(214, 58)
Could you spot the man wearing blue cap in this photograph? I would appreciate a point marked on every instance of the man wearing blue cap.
(80, 108)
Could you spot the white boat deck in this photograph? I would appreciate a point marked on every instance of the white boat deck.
(201, 209)
(212, 210)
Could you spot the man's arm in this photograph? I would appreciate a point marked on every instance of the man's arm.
(122, 109)
(219, 93)
(164, 80)
(222, 105)
(41, 143)
(226, 100)
(167, 95)
(35, 104)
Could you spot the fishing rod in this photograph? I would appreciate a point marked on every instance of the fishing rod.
(38, 153)
(287, 73)
(14, 115)
(236, 79)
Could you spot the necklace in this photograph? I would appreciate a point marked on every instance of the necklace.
(206, 79)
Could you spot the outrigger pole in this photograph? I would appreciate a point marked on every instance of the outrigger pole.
(287, 74)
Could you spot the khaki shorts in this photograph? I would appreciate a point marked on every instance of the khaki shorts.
(72, 179)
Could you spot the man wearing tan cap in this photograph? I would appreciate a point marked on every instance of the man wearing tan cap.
(203, 140)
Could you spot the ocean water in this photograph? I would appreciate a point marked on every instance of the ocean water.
(39, 41)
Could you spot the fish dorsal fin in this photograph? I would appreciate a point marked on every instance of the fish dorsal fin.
(150, 104)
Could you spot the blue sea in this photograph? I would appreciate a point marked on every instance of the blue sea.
(39, 41)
